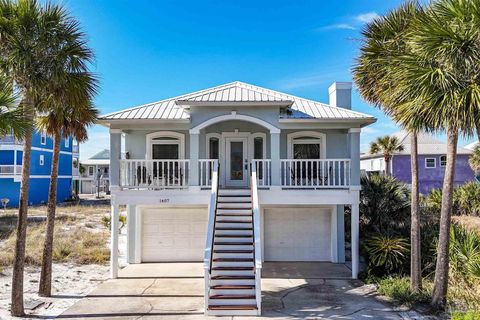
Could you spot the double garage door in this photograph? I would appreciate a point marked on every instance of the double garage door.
(290, 234)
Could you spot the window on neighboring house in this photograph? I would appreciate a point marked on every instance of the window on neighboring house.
(443, 161)
(430, 163)
(67, 142)
(91, 170)
(42, 160)
(43, 138)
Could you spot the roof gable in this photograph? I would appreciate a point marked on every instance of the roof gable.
(235, 92)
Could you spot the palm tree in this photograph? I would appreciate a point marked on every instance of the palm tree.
(383, 40)
(387, 146)
(474, 160)
(11, 116)
(441, 70)
(32, 38)
(69, 116)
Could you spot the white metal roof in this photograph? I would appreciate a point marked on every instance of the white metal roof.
(472, 145)
(427, 145)
(235, 92)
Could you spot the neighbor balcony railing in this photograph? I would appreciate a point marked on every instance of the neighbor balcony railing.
(10, 169)
(10, 139)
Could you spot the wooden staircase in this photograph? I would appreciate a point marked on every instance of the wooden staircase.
(232, 289)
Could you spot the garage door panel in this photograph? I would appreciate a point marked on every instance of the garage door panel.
(297, 234)
(173, 234)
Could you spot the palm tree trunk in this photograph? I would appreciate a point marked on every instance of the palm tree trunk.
(478, 130)
(17, 308)
(440, 284)
(45, 286)
(387, 166)
(415, 238)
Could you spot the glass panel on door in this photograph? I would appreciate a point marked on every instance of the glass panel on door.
(236, 160)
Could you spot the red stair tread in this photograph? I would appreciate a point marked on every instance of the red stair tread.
(233, 287)
(232, 296)
(233, 251)
(233, 268)
(233, 277)
(232, 307)
(222, 243)
(233, 260)
(234, 236)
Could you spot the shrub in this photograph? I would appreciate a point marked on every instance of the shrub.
(390, 254)
(464, 252)
(467, 198)
(121, 218)
(470, 315)
(398, 289)
(384, 205)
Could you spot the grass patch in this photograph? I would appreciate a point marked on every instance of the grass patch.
(471, 315)
(79, 235)
(398, 289)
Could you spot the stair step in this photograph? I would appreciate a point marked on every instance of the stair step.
(233, 277)
(234, 192)
(232, 307)
(232, 251)
(233, 228)
(233, 287)
(232, 243)
(232, 296)
(233, 236)
(234, 215)
(233, 268)
(233, 260)
(232, 221)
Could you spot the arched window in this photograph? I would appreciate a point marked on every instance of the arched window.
(306, 145)
(165, 145)
(213, 145)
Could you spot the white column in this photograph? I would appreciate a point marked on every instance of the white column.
(14, 162)
(115, 155)
(131, 228)
(194, 153)
(275, 157)
(354, 138)
(138, 235)
(355, 240)
(114, 240)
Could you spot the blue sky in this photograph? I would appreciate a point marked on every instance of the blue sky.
(151, 50)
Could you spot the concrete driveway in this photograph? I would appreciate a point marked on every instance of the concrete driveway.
(175, 291)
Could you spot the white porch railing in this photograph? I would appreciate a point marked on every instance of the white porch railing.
(10, 169)
(212, 208)
(257, 243)
(315, 173)
(154, 174)
(263, 170)
(205, 171)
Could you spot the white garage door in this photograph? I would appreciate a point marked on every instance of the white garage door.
(173, 234)
(297, 234)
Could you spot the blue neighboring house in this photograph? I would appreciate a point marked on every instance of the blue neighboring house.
(40, 168)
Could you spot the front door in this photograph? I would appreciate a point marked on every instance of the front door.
(236, 162)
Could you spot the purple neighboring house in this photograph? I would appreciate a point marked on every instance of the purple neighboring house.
(431, 162)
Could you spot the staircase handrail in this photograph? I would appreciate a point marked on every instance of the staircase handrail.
(212, 208)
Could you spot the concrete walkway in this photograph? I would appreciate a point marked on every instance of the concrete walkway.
(175, 291)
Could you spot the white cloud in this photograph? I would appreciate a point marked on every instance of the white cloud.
(337, 26)
(317, 79)
(367, 17)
